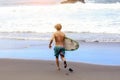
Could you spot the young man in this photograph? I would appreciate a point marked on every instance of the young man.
(59, 49)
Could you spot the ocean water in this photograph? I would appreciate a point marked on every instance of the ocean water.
(89, 22)
(26, 28)
(92, 53)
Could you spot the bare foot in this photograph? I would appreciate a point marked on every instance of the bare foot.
(58, 69)
(65, 64)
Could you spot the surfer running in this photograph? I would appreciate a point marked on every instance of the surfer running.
(59, 49)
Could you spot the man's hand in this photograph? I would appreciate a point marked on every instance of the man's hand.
(50, 43)
(50, 46)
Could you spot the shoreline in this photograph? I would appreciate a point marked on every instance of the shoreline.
(15, 69)
(61, 63)
(93, 53)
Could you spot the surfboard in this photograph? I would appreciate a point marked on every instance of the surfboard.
(70, 44)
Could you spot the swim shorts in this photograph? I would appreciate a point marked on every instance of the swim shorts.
(58, 50)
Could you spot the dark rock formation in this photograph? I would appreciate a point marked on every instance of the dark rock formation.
(72, 1)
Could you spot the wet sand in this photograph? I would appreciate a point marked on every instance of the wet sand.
(16, 69)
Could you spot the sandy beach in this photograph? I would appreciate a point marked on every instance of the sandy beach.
(14, 69)
(33, 60)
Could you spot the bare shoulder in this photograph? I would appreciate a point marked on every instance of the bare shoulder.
(63, 33)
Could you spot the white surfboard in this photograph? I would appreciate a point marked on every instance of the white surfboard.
(70, 44)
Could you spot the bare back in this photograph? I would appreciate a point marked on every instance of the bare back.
(59, 38)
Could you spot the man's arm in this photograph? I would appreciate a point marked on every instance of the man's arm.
(51, 41)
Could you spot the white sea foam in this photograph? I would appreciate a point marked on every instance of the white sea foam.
(43, 18)
(78, 18)
(80, 37)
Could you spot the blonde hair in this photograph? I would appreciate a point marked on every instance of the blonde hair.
(58, 26)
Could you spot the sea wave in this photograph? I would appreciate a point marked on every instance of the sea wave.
(80, 37)
(74, 18)
(89, 22)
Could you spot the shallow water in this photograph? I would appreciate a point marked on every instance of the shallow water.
(93, 53)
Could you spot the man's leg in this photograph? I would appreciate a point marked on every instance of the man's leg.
(64, 60)
(57, 63)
